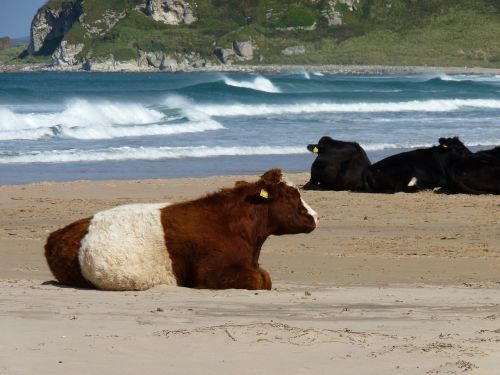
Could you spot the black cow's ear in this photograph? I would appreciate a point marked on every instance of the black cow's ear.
(313, 148)
(444, 142)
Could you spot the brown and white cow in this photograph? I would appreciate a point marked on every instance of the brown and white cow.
(212, 242)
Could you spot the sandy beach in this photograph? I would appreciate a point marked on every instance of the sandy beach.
(387, 284)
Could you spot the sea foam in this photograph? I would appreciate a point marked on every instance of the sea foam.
(438, 105)
(470, 77)
(143, 153)
(81, 113)
(156, 153)
(81, 119)
(259, 84)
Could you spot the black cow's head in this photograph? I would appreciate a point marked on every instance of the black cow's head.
(313, 148)
(455, 145)
(326, 144)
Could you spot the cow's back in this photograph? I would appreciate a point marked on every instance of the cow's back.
(475, 174)
(354, 170)
(407, 171)
(124, 249)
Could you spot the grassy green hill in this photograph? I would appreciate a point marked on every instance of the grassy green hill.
(389, 32)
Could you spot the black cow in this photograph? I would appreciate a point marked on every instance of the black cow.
(415, 170)
(478, 173)
(338, 166)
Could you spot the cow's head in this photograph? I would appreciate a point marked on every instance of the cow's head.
(287, 211)
(323, 145)
(454, 145)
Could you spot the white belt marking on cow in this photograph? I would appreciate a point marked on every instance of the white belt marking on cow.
(125, 249)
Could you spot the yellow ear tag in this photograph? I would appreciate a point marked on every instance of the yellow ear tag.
(264, 194)
(315, 150)
(445, 146)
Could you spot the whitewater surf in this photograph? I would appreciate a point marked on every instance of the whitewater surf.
(65, 126)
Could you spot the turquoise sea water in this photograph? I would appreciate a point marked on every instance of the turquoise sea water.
(65, 126)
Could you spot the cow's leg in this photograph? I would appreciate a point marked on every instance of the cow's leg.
(236, 277)
(312, 186)
(267, 279)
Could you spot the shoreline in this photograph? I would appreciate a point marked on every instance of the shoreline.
(126, 67)
(210, 167)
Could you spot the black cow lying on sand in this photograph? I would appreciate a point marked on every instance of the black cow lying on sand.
(338, 166)
(478, 173)
(415, 170)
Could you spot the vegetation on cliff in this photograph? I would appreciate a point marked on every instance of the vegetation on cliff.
(391, 32)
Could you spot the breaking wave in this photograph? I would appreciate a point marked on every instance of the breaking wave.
(258, 84)
(156, 153)
(81, 113)
(85, 120)
(438, 105)
(467, 77)
(143, 153)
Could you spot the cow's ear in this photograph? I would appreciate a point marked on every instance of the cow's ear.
(240, 183)
(264, 193)
(313, 148)
(272, 177)
(262, 196)
(443, 142)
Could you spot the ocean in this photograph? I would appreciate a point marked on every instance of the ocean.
(72, 126)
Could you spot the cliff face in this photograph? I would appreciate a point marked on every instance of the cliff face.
(191, 34)
(50, 25)
(90, 33)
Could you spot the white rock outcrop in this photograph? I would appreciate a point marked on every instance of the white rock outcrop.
(103, 25)
(50, 25)
(66, 53)
(243, 49)
(225, 55)
(239, 51)
(294, 50)
(171, 62)
(171, 12)
(332, 13)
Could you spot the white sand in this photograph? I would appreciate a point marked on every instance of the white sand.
(406, 284)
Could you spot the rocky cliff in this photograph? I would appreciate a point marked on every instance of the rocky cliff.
(76, 32)
(193, 34)
(50, 24)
